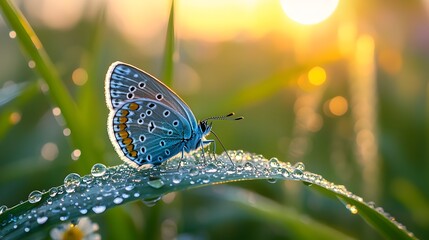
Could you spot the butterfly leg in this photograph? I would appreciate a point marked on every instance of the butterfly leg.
(206, 143)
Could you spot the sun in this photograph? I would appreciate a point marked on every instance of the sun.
(309, 12)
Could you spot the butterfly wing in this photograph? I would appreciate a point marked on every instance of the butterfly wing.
(148, 132)
(125, 83)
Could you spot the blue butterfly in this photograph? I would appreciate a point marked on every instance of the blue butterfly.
(149, 123)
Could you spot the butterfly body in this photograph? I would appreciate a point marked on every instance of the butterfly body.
(148, 123)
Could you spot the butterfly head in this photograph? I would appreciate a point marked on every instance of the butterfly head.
(205, 127)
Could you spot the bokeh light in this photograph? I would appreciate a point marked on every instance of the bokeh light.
(317, 76)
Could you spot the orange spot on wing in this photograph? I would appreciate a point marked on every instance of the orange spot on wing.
(133, 154)
(130, 148)
(123, 119)
(133, 106)
(124, 112)
(123, 134)
(127, 141)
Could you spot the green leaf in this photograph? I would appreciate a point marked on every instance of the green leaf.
(107, 188)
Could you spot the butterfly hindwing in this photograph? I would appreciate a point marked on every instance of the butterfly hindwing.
(148, 131)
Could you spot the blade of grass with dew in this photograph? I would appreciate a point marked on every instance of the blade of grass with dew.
(94, 194)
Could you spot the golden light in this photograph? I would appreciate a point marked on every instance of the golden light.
(338, 106)
(79, 76)
(317, 76)
(309, 12)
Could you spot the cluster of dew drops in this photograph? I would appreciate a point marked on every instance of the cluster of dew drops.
(106, 187)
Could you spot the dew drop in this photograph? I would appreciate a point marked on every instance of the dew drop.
(98, 170)
(64, 216)
(211, 168)
(129, 187)
(87, 179)
(99, 209)
(272, 180)
(150, 202)
(42, 219)
(239, 169)
(299, 166)
(156, 183)
(83, 211)
(205, 179)
(53, 191)
(297, 173)
(274, 163)
(177, 178)
(118, 200)
(284, 172)
(248, 167)
(3, 209)
(27, 229)
(35, 196)
(71, 181)
(193, 172)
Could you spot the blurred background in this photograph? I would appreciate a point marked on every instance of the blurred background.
(341, 86)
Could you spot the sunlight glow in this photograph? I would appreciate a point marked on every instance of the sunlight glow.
(309, 12)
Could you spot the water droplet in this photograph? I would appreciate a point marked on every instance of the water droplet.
(150, 202)
(193, 172)
(53, 191)
(211, 168)
(299, 166)
(205, 179)
(129, 187)
(49, 201)
(272, 180)
(297, 173)
(64, 216)
(156, 183)
(248, 167)
(3, 209)
(284, 172)
(71, 181)
(99, 209)
(83, 211)
(177, 178)
(26, 229)
(42, 219)
(239, 169)
(274, 162)
(118, 200)
(87, 179)
(35, 196)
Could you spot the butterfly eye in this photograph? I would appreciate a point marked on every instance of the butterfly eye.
(203, 126)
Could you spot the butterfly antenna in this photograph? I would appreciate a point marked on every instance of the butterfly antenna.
(223, 147)
(225, 117)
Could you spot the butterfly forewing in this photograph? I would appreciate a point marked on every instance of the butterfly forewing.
(125, 83)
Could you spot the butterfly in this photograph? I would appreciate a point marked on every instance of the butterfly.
(149, 123)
